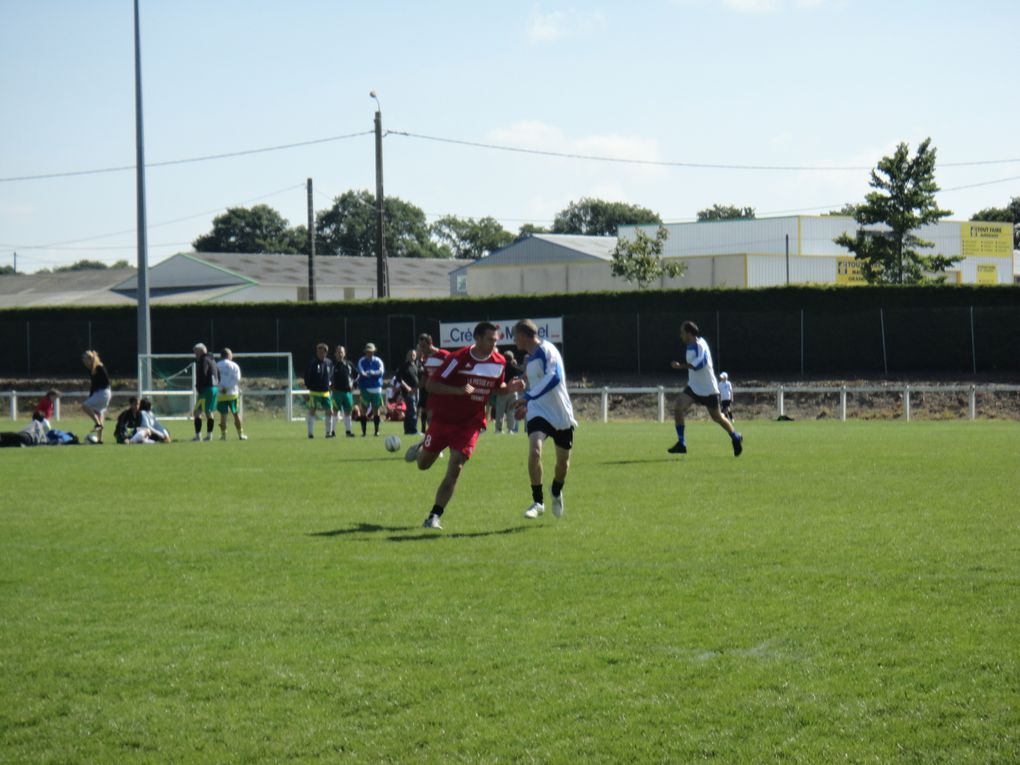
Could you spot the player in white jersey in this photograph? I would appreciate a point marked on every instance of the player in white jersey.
(701, 389)
(229, 393)
(546, 405)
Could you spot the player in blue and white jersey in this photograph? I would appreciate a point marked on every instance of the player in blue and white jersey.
(370, 382)
(549, 413)
(701, 389)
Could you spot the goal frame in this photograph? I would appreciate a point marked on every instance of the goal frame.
(192, 394)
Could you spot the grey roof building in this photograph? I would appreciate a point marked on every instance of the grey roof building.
(228, 277)
(545, 263)
(240, 278)
(64, 288)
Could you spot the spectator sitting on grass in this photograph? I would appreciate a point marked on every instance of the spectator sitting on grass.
(151, 430)
(127, 422)
(47, 404)
(33, 434)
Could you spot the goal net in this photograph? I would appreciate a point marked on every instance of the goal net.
(168, 379)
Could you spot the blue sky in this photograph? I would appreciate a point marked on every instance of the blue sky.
(779, 83)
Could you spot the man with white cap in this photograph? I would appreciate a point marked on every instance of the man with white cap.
(370, 383)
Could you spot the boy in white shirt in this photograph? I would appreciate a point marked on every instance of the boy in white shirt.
(725, 395)
(229, 393)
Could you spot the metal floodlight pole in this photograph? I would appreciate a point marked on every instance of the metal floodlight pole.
(382, 270)
(142, 279)
(311, 245)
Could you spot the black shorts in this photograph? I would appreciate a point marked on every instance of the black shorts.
(709, 402)
(562, 438)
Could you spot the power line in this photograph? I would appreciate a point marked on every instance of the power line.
(495, 147)
(983, 183)
(206, 158)
(59, 245)
(665, 163)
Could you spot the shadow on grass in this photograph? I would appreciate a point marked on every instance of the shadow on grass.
(640, 462)
(358, 528)
(429, 536)
(380, 458)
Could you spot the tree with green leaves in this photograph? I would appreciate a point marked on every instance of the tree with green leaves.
(7, 270)
(849, 210)
(348, 228)
(468, 238)
(529, 229)
(640, 260)
(596, 217)
(886, 242)
(258, 229)
(725, 212)
(82, 265)
(1008, 214)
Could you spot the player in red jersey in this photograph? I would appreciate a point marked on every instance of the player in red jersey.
(459, 391)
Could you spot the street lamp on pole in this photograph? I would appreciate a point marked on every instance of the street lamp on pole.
(382, 271)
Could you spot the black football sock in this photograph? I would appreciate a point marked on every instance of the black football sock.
(536, 493)
(556, 488)
(209, 425)
(436, 510)
(198, 426)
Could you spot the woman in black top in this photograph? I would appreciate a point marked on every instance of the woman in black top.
(98, 402)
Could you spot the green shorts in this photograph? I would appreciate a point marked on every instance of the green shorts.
(227, 404)
(320, 400)
(206, 401)
(373, 400)
(343, 401)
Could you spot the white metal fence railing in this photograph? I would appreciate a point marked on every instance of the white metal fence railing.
(904, 401)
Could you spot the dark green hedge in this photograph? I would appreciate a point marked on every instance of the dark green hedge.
(779, 331)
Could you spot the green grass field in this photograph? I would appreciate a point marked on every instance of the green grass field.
(843, 592)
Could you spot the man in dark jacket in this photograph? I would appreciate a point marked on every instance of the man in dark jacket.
(407, 378)
(207, 380)
(319, 381)
(345, 375)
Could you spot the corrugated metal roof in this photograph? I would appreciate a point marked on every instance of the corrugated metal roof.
(90, 287)
(551, 248)
(207, 269)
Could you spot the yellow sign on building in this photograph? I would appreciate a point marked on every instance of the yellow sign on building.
(986, 240)
(849, 271)
(987, 273)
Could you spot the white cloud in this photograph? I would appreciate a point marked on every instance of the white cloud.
(530, 135)
(757, 7)
(559, 25)
(539, 136)
(753, 6)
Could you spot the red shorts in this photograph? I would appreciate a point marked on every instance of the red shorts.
(457, 438)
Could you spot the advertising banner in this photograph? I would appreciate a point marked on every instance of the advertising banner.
(986, 240)
(459, 334)
(848, 271)
(987, 273)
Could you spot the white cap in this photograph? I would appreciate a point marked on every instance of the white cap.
(724, 376)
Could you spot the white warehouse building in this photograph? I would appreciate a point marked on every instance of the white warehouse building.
(765, 252)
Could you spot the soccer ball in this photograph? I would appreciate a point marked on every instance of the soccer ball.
(92, 438)
(392, 443)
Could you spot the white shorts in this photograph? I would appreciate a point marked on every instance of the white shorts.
(99, 401)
